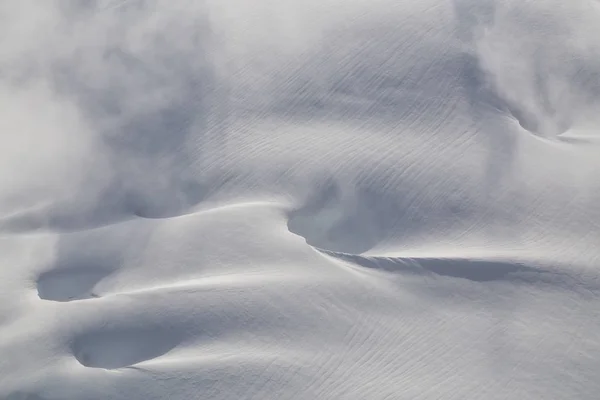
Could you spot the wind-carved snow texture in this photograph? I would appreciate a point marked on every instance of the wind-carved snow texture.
(299, 199)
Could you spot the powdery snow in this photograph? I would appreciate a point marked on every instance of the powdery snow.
(317, 199)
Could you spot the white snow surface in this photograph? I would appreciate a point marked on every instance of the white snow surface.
(299, 199)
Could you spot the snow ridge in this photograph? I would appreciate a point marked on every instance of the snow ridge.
(299, 199)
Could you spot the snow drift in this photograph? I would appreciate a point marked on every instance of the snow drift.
(299, 199)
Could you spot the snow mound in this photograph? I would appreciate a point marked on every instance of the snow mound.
(319, 199)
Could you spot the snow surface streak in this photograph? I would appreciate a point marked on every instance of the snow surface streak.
(299, 199)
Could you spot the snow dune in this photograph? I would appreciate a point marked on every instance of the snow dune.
(299, 199)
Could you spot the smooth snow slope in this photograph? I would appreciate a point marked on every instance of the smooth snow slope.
(317, 199)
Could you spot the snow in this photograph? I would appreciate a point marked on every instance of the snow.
(317, 199)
